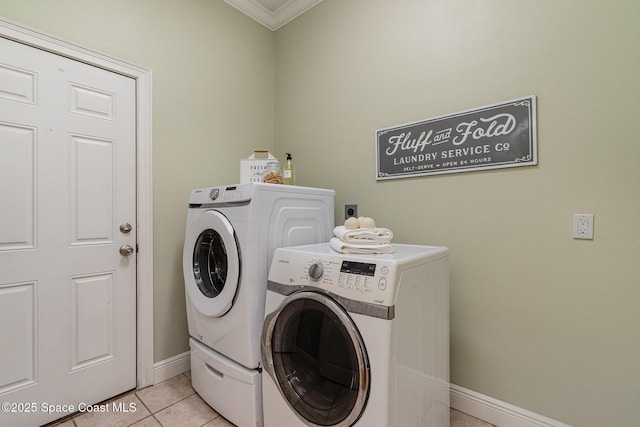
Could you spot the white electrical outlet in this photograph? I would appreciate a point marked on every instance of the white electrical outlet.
(583, 226)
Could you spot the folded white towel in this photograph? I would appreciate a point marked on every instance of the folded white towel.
(363, 235)
(354, 248)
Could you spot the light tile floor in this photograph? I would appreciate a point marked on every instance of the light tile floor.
(174, 403)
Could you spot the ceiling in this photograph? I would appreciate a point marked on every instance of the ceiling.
(273, 14)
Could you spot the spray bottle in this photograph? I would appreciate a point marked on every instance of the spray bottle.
(289, 171)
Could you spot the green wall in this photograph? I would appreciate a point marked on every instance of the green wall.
(538, 319)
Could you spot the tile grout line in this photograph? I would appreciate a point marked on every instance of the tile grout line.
(153, 414)
(165, 407)
(135, 392)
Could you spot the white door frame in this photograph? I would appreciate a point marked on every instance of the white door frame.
(143, 76)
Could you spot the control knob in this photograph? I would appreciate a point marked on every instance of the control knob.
(315, 270)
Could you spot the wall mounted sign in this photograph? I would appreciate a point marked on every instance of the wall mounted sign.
(495, 136)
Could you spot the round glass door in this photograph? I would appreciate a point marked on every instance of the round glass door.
(317, 359)
(211, 263)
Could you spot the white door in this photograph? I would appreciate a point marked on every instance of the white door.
(67, 182)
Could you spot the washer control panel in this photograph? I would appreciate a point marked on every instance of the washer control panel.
(344, 275)
(316, 270)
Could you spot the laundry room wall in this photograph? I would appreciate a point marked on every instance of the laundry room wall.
(213, 98)
(538, 320)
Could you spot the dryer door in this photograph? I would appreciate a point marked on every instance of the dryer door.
(314, 353)
(211, 263)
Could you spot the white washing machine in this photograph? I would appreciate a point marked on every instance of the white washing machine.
(231, 235)
(357, 340)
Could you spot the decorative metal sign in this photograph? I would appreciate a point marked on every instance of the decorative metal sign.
(496, 136)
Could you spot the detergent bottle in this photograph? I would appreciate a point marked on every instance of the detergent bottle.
(289, 171)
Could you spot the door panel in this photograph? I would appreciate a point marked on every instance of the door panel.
(68, 179)
(92, 320)
(17, 211)
(17, 84)
(92, 186)
(17, 303)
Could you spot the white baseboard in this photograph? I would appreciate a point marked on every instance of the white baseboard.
(169, 368)
(495, 412)
(477, 405)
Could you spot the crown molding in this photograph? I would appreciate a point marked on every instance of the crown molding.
(273, 20)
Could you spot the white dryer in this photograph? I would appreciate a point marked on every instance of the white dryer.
(357, 340)
(231, 235)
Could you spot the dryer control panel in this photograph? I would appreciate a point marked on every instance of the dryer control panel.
(343, 275)
(222, 195)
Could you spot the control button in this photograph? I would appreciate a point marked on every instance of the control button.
(384, 270)
(214, 194)
(382, 284)
(315, 270)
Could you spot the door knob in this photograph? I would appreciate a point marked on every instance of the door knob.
(125, 227)
(126, 250)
